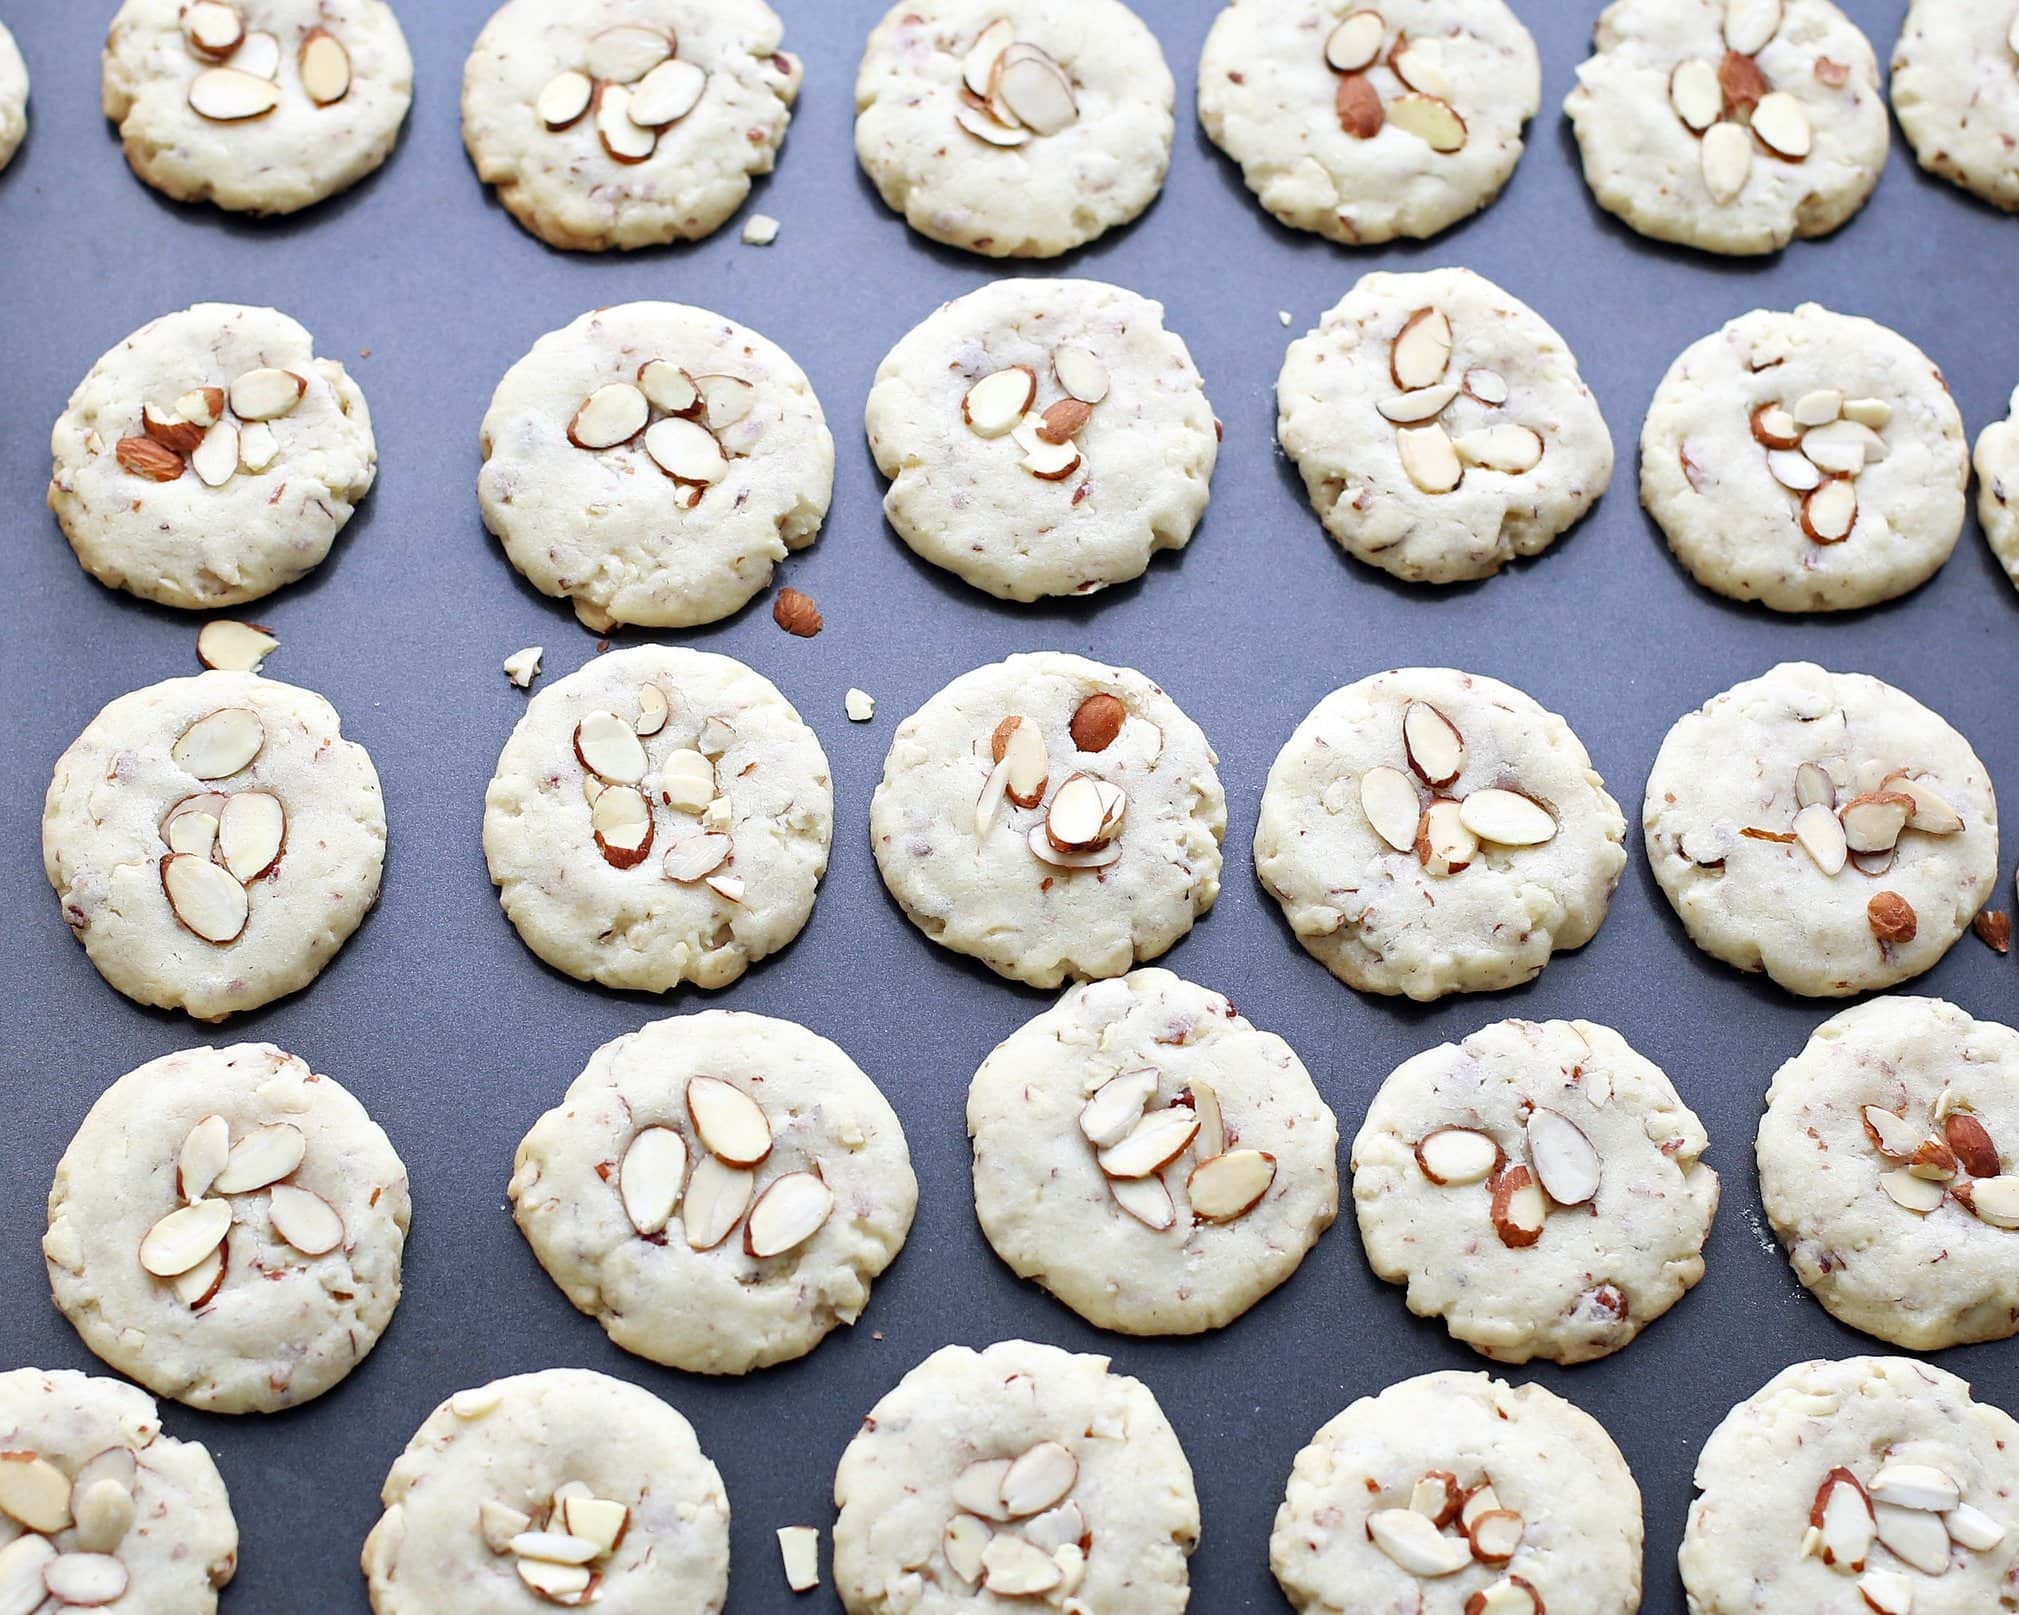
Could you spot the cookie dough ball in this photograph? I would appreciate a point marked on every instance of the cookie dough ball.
(503, 1470)
(1043, 437)
(1504, 1496)
(213, 841)
(1441, 426)
(1014, 128)
(1956, 89)
(1730, 125)
(1036, 1468)
(652, 462)
(13, 96)
(1823, 827)
(1998, 488)
(1050, 817)
(1429, 831)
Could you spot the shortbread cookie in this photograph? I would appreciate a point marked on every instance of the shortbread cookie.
(1998, 488)
(1429, 832)
(13, 97)
(1014, 128)
(261, 106)
(1870, 1484)
(1453, 1491)
(627, 123)
(1441, 426)
(651, 462)
(1051, 817)
(226, 1228)
(561, 1487)
(1731, 125)
(213, 841)
(658, 816)
(1956, 89)
(1043, 437)
(1036, 1469)
(210, 458)
(1811, 461)
(1364, 123)
(1823, 827)
(1155, 1161)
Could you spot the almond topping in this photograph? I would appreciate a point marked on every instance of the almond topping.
(1915, 1537)
(687, 781)
(667, 387)
(1843, 1514)
(85, 1580)
(625, 141)
(1695, 93)
(791, 1210)
(1145, 1199)
(1562, 1156)
(1507, 818)
(1013, 1568)
(695, 857)
(305, 1220)
(1081, 374)
(963, 1542)
(1116, 1106)
(1152, 1144)
(667, 94)
(610, 415)
(203, 897)
(1794, 470)
(201, 406)
(251, 832)
(1830, 512)
(105, 1511)
(1495, 1535)
(1518, 1209)
(716, 1198)
(1741, 83)
(1813, 784)
(1478, 1501)
(325, 67)
(1358, 106)
(1973, 1528)
(596, 1519)
(1875, 413)
(1043, 848)
(227, 95)
(1511, 450)
(999, 400)
(265, 395)
(1051, 462)
(1911, 1193)
(34, 1493)
(1355, 42)
(1416, 1544)
(1931, 813)
(1444, 846)
(1841, 448)
(1818, 408)
(686, 451)
(565, 98)
(1774, 428)
(1933, 1160)
(1019, 746)
(1224, 1187)
(203, 1154)
(170, 430)
(1422, 350)
(1782, 125)
(259, 55)
(1892, 1135)
(1426, 403)
(1914, 1486)
(978, 66)
(1510, 1595)
(567, 1585)
(173, 1245)
(1212, 1135)
(1821, 835)
(1455, 1156)
(1064, 420)
(609, 748)
(725, 400)
(1035, 89)
(1085, 813)
(653, 710)
(1726, 156)
(650, 1178)
(237, 647)
(1388, 798)
(1429, 457)
(1873, 820)
(1437, 1498)
(554, 1547)
(1488, 386)
(1097, 720)
(1433, 121)
(1039, 1479)
(1992, 1200)
(1749, 24)
(626, 53)
(620, 819)
(263, 1156)
(986, 129)
(1971, 1142)
(212, 28)
(215, 459)
(1418, 63)
(730, 1124)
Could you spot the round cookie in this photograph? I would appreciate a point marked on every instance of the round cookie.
(1096, 1084)
(310, 1216)
(260, 106)
(564, 1451)
(707, 857)
(149, 488)
(1811, 461)
(1014, 128)
(1441, 426)
(1734, 126)
(13, 96)
(1399, 121)
(1380, 872)
(1764, 883)
(990, 853)
(1378, 1506)
(1037, 1468)
(1795, 1480)
(974, 487)
(1956, 89)
(663, 525)
(274, 885)
(1998, 488)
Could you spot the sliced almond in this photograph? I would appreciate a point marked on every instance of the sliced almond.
(1782, 125)
(1013, 1568)
(1355, 42)
(687, 781)
(1813, 784)
(258, 447)
(1726, 158)
(1035, 88)
(730, 1124)
(1043, 848)
(978, 1489)
(977, 67)
(696, 857)
(1794, 470)
(1039, 1479)
(1970, 1525)
(1775, 428)
(1116, 1106)
(1508, 449)
(1152, 1144)
(1085, 812)
(1695, 93)
(1914, 1536)
(205, 1149)
(1426, 403)
(1749, 24)
(1145, 1199)
(558, 1584)
(1933, 1160)
(601, 1521)
(1389, 799)
(997, 402)
(1480, 1500)
(609, 748)
(963, 1542)
(1562, 1156)
(1887, 1592)
(1419, 64)
(1212, 1135)
(215, 459)
(686, 451)
(251, 833)
(612, 414)
(667, 94)
(1415, 1544)
(194, 833)
(716, 1198)
(1518, 1209)
(554, 1547)
(1831, 511)
(1507, 818)
(1821, 835)
(1873, 412)
(1818, 407)
(725, 400)
(1914, 1486)
(1431, 119)
(208, 902)
(650, 1178)
(175, 1244)
(498, 1524)
(626, 142)
(1422, 350)
(627, 52)
(304, 1219)
(727, 887)
(799, 1553)
(1455, 1156)
(1932, 813)
(1892, 1135)
(1873, 820)
(105, 1511)
(1488, 386)
(1443, 844)
(1991, 1200)
(263, 1156)
(791, 1210)
(1432, 744)
(1224, 1187)
(1842, 1513)
(34, 1493)
(667, 387)
(259, 55)
(1019, 745)
(1495, 1535)
(1838, 449)
(170, 430)
(22, 1561)
(1510, 1595)
(227, 95)
(266, 394)
(1051, 462)
(1912, 1193)
(1056, 1528)
(1437, 1498)
(620, 820)
(1358, 106)
(1081, 374)
(212, 28)
(986, 129)
(325, 67)
(237, 647)
(1429, 457)
(85, 1580)
(1971, 1143)
(564, 98)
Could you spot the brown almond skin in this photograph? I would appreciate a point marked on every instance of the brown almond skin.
(1454, 1498)
(1063, 421)
(1472, 1535)
(1504, 1187)
(213, 398)
(1098, 721)
(1767, 439)
(1994, 929)
(1891, 918)
(999, 741)
(618, 857)
(796, 613)
(178, 435)
(1938, 1156)
(1742, 81)
(1971, 1141)
(1061, 474)
(143, 457)
(1835, 1478)
(1359, 106)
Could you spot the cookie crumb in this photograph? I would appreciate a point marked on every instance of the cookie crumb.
(523, 666)
(1283, 314)
(760, 230)
(799, 1547)
(1994, 927)
(796, 613)
(861, 706)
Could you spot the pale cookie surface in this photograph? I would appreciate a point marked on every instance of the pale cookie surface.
(1155, 1161)
(1441, 426)
(1562, 1517)
(1036, 1471)
(1043, 849)
(283, 1302)
(593, 141)
(13, 96)
(1735, 126)
(1998, 488)
(1824, 827)
(1861, 1485)
(1014, 128)
(1956, 89)
(977, 483)
(593, 1470)
(708, 855)
(652, 462)
(1399, 122)
(286, 839)
(1385, 874)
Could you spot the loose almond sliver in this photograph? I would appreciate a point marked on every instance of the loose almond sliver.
(237, 647)
(85, 1580)
(799, 1550)
(650, 1178)
(184, 1237)
(263, 1156)
(730, 1124)
(305, 1220)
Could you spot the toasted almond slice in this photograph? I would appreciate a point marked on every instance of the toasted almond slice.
(963, 1542)
(998, 402)
(22, 1563)
(1443, 844)
(1504, 448)
(1145, 1199)
(696, 857)
(258, 448)
(1388, 797)
(612, 414)
(205, 1149)
(1013, 1568)
(1358, 106)
(1429, 457)
(1971, 1526)
(686, 451)
(1695, 93)
(1831, 511)
(263, 1156)
(1970, 1141)
(1212, 1135)
(1842, 1515)
(609, 748)
(730, 1124)
(1116, 1106)
(564, 98)
(1495, 1535)
(212, 29)
(304, 1219)
(1038, 1479)
(193, 833)
(1455, 1156)
(1813, 784)
(1035, 88)
(1518, 1210)
(104, 1509)
(1353, 45)
(1992, 1200)
(1224, 1187)
(667, 387)
(227, 95)
(667, 94)
(1932, 813)
(325, 67)
(1821, 835)
(1726, 157)
(1431, 119)
(986, 129)
(1913, 1193)
(1749, 24)
(1873, 820)
(1056, 1528)
(977, 68)
(1415, 1544)
(1562, 1156)
(1019, 745)
(1782, 125)
(558, 1584)
(1156, 1140)
(1507, 818)
(175, 1244)
(169, 429)
(725, 400)
(1432, 744)
(215, 459)
(1891, 1134)
(1422, 350)
(207, 901)
(978, 1489)
(1794, 470)
(650, 1178)
(266, 394)
(1488, 386)
(34, 1493)
(1478, 1501)
(791, 1210)
(1081, 374)
(85, 1580)
(1085, 813)
(625, 53)
(620, 820)
(687, 781)
(197, 1288)
(1426, 403)
(716, 1198)
(251, 833)
(1914, 1536)
(626, 142)
(1044, 848)
(259, 55)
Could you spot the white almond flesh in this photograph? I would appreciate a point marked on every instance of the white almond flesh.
(612, 414)
(305, 1220)
(1432, 744)
(986, 129)
(1749, 24)
(1996, 1201)
(1504, 1597)
(205, 1149)
(1914, 1536)
(197, 1288)
(1081, 374)
(523, 666)
(1039, 1479)
(1887, 1592)
(790, 1211)
(730, 1124)
(1818, 408)
(259, 55)
(1116, 1106)
(597, 1519)
(265, 1155)
(1831, 511)
(325, 67)
(1012, 1568)
(1506, 818)
(114, 1464)
(250, 833)
(104, 1511)
(1838, 448)
(1098, 858)
(1726, 156)
(998, 402)
(1422, 350)
(1389, 799)
(1932, 813)
(1455, 1156)
(204, 897)
(1488, 386)
(717, 1196)
(1036, 89)
(85, 1580)
(1426, 403)
(695, 857)
(978, 1488)
(1482, 1499)
(1842, 1518)
(1519, 1209)
(555, 1547)
(1076, 820)
(687, 781)
(1973, 1528)
(1896, 1137)
(237, 647)
(1145, 1199)
(1024, 758)
(1431, 119)
(215, 459)
(564, 98)
(1355, 42)
(727, 887)
(1415, 1543)
(686, 451)
(173, 1245)
(1056, 1528)
(977, 67)
(1419, 63)
(1562, 1156)
(667, 387)
(1152, 1144)
(1794, 470)
(1495, 1535)
(34, 1492)
(1510, 450)
(1913, 1193)
(1227, 1186)
(620, 819)
(1211, 1138)
(653, 710)
(227, 95)
(963, 1542)
(799, 1551)
(266, 394)
(1443, 844)
(1696, 95)
(258, 447)
(1052, 462)
(1437, 1497)
(626, 53)
(1813, 784)
(610, 749)
(1783, 125)
(650, 1178)
(725, 400)
(1429, 457)
(1873, 412)
(1872, 822)
(560, 1584)
(22, 1562)
(667, 94)
(213, 28)
(1821, 835)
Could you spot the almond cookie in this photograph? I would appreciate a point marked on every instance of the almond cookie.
(1014, 128)
(13, 96)
(562, 1487)
(1480, 1495)
(1865, 1486)
(1823, 827)
(1152, 1159)
(213, 841)
(1956, 89)
(1441, 426)
(1051, 817)
(1998, 488)
(1364, 123)
(651, 462)
(1043, 437)
(1020, 1472)
(1429, 831)
(1810, 461)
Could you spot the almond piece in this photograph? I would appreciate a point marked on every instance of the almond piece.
(1873, 820)
(1774, 428)
(1781, 124)
(796, 613)
(1116, 1106)
(1994, 928)
(554, 1547)
(986, 129)
(304, 1219)
(1510, 450)
(667, 94)
(620, 820)
(1415, 1544)
(1422, 350)
(696, 857)
(227, 95)
(1019, 745)
(1488, 386)
(237, 647)
(599, 1520)
(1432, 120)
(1432, 744)
(1891, 1134)
(725, 400)
(963, 1542)
(1841, 448)
(1224, 1187)
(203, 897)
(1039, 1479)
(215, 459)
(1819, 407)
(205, 1148)
(173, 1245)
(1971, 1142)
(262, 1157)
(1355, 42)
(325, 67)
(1830, 511)
(1813, 784)
(568, 1585)
(1035, 88)
(997, 402)
(1051, 462)
(1043, 848)
(609, 748)
(686, 451)
(1843, 1514)
(1358, 106)
(1080, 373)
(1932, 813)
(978, 66)
(1914, 1537)
(1875, 413)
(716, 1198)
(625, 141)
(1887, 1592)
(1443, 845)
(799, 1553)
(1455, 1156)
(1507, 818)
(1911, 1193)
(1794, 470)
(1694, 92)
(612, 414)
(667, 387)
(1741, 84)
(1821, 835)
(1991, 1200)
(1064, 420)
(1056, 1528)
(170, 430)
(1562, 1156)
(104, 1509)
(85, 1580)
(1495, 1535)
(1418, 63)
(1084, 814)
(1749, 24)
(650, 1178)
(1426, 403)
(1389, 799)
(1145, 1199)
(1932, 1160)
(1914, 1486)
(34, 1493)
(791, 1210)
(259, 55)
(266, 394)
(144, 457)
(564, 98)
(1511, 1595)
(730, 1124)
(1726, 158)
(251, 833)
(212, 29)
(1013, 1568)
(1437, 1497)
(1518, 1208)
(1156, 1140)
(221, 743)
(687, 780)
(1429, 457)
(1973, 1528)
(1477, 1502)
(627, 52)
(1097, 720)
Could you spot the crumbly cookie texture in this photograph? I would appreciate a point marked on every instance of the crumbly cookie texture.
(1824, 827)
(1007, 473)
(1998, 488)
(1869, 1484)
(1016, 1473)
(1429, 831)
(562, 1487)
(1461, 1489)
(1014, 128)
(1155, 1161)
(1956, 89)
(1441, 426)
(1735, 126)
(213, 841)
(13, 96)
(652, 462)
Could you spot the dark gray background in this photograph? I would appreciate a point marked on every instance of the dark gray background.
(457, 1038)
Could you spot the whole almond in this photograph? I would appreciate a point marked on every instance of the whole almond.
(144, 457)
(1098, 721)
(1742, 81)
(796, 613)
(1891, 918)
(1994, 929)
(1359, 107)
(179, 436)
(1062, 422)
(1972, 1144)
